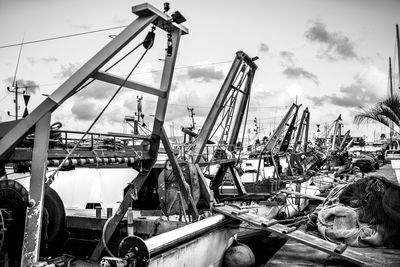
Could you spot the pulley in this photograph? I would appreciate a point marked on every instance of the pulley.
(149, 40)
(169, 45)
(133, 249)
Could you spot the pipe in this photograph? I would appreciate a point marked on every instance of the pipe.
(193, 134)
(168, 240)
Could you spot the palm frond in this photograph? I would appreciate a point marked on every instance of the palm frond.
(385, 112)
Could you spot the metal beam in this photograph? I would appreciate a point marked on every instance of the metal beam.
(279, 131)
(136, 185)
(300, 130)
(166, 81)
(33, 223)
(178, 173)
(204, 188)
(288, 136)
(69, 87)
(235, 177)
(110, 78)
(306, 132)
(165, 86)
(242, 107)
(164, 20)
(207, 128)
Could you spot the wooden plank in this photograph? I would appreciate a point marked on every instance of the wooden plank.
(350, 254)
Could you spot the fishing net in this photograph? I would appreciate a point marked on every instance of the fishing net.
(368, 213)
(338, 223)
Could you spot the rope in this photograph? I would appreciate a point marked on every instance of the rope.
(51, 178)
(92, 80)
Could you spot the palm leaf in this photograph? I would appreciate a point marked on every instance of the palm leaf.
(385, 112)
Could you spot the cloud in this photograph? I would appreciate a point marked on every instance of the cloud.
(334, 46)
(297, 72)
(32, 86)
(119, 20)
(205, 74)
(287, 56)
(84, 110)
(49, 59)
(33, 60)
(263, 47)
(97, 91)
(85, 27)
(363, 91)
(292, 71)
(66, 71)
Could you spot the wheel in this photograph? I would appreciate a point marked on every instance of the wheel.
(54, 235)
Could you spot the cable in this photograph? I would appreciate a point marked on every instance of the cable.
(103, 236)
(16, 68)
(62, 36)
(118, 61)
(153, 71)
(96, 119)
(1, 100)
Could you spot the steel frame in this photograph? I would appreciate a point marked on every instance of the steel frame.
(242, 62)
(40, 119)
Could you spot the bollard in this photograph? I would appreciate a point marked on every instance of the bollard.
(98, 212)
(109, 212)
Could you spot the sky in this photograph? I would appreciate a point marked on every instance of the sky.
(329, 55)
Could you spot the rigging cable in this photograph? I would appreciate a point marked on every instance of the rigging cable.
(62, 36)
(247, 113)
(118, 61)
(51, 177)
(16, 68)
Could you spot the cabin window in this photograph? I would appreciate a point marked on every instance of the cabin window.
(92, 206)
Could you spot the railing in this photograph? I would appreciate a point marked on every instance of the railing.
(113, 141)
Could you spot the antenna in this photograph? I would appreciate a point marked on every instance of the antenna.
(16, 88)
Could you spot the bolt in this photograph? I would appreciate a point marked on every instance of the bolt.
(31, 203)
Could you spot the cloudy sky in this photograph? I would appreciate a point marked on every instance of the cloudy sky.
(331, 55)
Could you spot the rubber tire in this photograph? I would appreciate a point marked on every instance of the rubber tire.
(14, 197)
(54, 221)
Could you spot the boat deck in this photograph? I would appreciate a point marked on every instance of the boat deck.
(296, 254)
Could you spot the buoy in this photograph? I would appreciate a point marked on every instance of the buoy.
(239, 255)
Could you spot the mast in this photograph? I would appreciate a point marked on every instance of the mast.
(391, 95)
(390, 77)
(398, 51)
